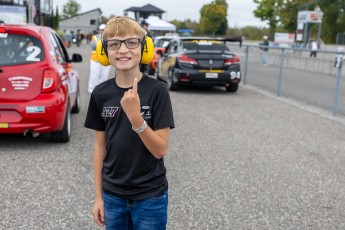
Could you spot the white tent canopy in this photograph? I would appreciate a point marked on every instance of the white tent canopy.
(155, 23)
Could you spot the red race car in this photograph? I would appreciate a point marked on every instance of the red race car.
(38, 87)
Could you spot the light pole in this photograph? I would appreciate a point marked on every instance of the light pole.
(319, 14)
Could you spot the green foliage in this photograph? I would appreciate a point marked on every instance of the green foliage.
(282, 15)
(268, 10)
(213, 18)
(333, 19)
(70, 9)
(55, 19)
(253, 33)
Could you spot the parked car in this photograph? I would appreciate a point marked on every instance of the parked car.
(160, 43)
(39, 89)
(203, 61)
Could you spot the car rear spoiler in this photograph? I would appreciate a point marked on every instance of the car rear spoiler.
(221, 39)
(235, 39)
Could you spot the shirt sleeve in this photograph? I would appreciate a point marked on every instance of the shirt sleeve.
(93, 118)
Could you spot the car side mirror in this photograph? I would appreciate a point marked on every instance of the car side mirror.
(76, 58)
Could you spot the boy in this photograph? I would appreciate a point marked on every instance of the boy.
(132, 117)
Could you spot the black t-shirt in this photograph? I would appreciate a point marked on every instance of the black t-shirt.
(130, 171)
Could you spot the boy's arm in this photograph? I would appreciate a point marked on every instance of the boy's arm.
(155, 141)
(99, 154)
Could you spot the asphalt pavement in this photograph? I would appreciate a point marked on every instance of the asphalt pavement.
(247, 160)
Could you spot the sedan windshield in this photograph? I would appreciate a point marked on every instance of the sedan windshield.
(205, 46)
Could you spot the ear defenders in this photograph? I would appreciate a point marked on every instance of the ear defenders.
(147, 51)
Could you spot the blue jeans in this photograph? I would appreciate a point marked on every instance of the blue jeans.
(146, 214)
(264, 58)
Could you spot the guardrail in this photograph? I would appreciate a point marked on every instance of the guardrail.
(327, 65)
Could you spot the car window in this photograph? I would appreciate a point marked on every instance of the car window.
(162, 42)
(20, 49)
(172, 47)
(59, 52)
(206, 45)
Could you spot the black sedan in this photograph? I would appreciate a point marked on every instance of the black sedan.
(202, 61)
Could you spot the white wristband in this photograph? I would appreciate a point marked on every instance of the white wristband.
(141, 128)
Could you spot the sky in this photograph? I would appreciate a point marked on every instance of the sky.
(240, 12)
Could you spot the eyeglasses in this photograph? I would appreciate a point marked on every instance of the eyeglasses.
(130, 43)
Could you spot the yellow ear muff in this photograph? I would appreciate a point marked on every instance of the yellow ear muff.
(147, 55)
(148, 51)
(101, 54)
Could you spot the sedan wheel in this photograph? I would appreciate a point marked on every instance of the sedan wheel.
(232, 88)
(172, 85)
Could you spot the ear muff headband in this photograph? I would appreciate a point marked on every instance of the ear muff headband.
(102, 53)
(147, 51)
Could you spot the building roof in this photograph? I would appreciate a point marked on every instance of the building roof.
(147, 8)
(87, 12)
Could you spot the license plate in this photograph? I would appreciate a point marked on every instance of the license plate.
(211, 75)
(4, 125)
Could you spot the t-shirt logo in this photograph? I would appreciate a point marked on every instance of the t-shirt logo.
(145, 112)
(109, 111)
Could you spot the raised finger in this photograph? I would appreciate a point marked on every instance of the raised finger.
(135, 85)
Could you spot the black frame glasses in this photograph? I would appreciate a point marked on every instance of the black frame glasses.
(130, 43)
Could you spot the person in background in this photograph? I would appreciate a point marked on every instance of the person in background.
(144, 68)
(265, 44)
(98, 72)
(131, 115)
(314, 48)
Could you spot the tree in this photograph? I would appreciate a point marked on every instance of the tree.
(56, 18)
(333, 19)
(70, 9)
(213, 18)
(288, 14)
(268, 10)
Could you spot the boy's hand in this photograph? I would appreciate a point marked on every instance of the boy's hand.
(130, 103)
(98, 212)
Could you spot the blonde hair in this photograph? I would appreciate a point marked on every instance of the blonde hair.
(121, 26)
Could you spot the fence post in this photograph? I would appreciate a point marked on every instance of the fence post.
(282, 57)
(337, 90)
(245, 67)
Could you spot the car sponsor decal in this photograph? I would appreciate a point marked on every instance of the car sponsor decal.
(4, 125)
(35, 109)
(20, 82)
(211, 70)
(3, 35)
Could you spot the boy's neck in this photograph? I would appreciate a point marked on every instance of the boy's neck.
(124, 79)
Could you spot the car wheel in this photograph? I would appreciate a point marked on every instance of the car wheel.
(173, 86)
(232, 88)
(76, 107)
(64, 134)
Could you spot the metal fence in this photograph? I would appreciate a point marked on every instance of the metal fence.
(294, 74)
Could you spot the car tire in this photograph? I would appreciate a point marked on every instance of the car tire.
(64, 134)
(172, 86)
(76, 107)
(232, 88)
